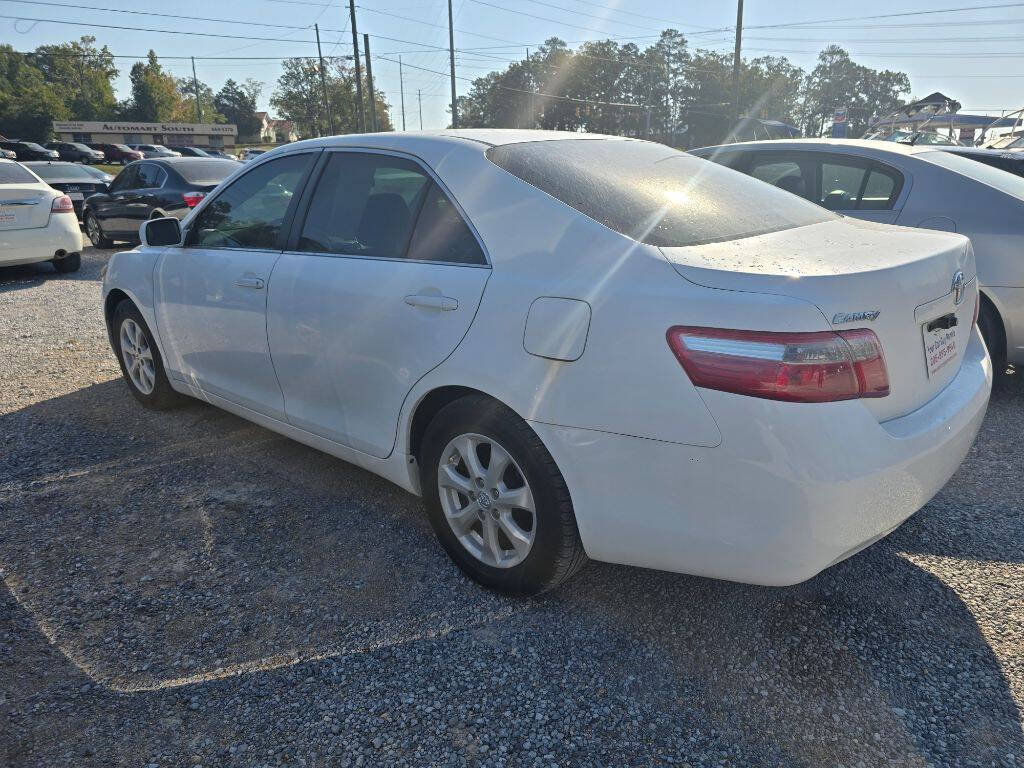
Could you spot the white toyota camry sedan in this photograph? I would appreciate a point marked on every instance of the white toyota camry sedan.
(571, 346)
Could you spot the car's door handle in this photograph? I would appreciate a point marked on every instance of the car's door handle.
(444, 303)
(249, 282)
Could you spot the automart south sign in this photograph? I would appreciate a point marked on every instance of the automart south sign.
(203, 129)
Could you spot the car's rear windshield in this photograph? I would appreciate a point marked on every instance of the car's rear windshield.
(47, 171)
(980, 172)
(201, 171)
(13, 173)
(653, 193)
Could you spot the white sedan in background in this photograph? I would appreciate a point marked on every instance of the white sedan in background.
(37, 222)
(915, 186)
(570, 346)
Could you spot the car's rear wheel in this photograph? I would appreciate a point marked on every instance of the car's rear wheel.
(991, 328)
(496, 499)
(70, 263)
(140, 360)
(95, 232)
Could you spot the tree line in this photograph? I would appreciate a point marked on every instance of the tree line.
(671, 90)
(74, 81)
(667, 90)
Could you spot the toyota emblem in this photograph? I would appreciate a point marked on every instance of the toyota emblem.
(958, 287)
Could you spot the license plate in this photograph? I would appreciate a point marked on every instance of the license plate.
(939, 348)
(76, 195)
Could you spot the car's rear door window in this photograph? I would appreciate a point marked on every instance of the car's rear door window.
(653, 193)
(251, 211)
(442, 234)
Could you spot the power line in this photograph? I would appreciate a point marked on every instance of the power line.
(426, 24)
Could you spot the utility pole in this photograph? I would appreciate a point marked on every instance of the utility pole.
(533, 107)
(195, 87)
(359, 75)
(369, 83)
(451, 59)
(419, 97)
(736, 65)
(401, 89)
(323, 81)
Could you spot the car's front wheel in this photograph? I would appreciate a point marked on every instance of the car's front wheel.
(496, 499)
(140, 360)
(95, 232)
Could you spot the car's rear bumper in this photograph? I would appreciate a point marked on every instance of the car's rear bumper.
(792, 489)
(27, 246)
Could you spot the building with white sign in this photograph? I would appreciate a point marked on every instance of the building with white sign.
(167, 134)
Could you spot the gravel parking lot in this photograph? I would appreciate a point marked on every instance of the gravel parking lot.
(186, 588)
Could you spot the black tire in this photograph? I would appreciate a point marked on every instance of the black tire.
(162, 397)
(95, 231)
(991, 328)
(557, 552)
(70, 263)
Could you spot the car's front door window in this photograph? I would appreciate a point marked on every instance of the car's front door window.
(252, 211)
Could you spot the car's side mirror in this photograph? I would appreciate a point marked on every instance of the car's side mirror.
(161, 232)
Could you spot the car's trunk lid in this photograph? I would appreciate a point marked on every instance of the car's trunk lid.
(898, 282)
(24, 206)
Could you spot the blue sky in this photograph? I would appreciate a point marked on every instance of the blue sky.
(975, 56)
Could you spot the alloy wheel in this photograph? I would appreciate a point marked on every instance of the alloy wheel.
(486, 500)
(138, 357)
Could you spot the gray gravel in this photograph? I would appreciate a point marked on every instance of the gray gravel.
(188, 589)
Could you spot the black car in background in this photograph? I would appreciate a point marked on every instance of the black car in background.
(74, 152)
(151, 189)
(189, 151)
(70, 178)
(29, 150)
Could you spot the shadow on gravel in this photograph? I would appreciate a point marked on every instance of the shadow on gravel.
(189, 549)
(24, 276)
(979, 515)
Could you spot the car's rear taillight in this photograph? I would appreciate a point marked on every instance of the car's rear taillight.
(810, 367)
(192, 199)
(62, 204)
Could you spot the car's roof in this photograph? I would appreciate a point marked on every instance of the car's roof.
(482, 137)
(871, 145)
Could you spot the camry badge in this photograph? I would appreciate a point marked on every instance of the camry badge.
(855, 317)
(958, 287)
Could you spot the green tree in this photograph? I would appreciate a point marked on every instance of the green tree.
(154, 92)
(238, 105)
(837, 81)
(299, 97)
(82, 75)
(185, 110)
(28, 104)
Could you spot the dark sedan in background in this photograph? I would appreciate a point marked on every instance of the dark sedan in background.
(118, 153)
(71, 178)
(29, 150)
(189, 151)
(151, 189)
(74, 152)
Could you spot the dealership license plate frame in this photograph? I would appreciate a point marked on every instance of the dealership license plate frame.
(940, 348)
